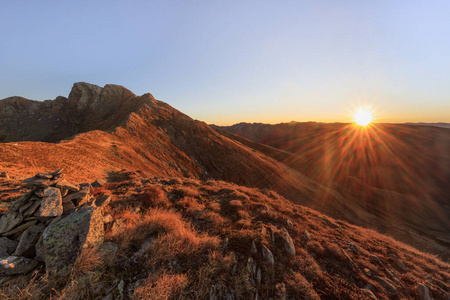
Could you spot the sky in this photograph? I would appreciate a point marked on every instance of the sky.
(225, 62)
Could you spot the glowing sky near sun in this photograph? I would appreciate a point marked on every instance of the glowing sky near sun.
(229, 61)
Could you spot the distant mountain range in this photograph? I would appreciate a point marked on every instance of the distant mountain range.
(440, 124)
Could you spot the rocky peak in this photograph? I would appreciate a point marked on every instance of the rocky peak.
(88, 107)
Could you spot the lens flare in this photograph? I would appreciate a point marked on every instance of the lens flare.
(363, 117)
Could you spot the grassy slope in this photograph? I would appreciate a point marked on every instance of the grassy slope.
(202, 235)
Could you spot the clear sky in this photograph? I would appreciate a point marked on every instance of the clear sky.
(230, 61)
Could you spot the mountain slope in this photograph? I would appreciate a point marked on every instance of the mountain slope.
(395, 176)
(181, 238)
(139, 133)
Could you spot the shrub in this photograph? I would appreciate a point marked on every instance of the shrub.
(213, 218)
(185, 192)
(153, 196)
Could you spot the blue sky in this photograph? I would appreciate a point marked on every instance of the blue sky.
(229, 61)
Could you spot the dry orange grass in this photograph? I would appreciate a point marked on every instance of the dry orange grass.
(162, 286)
(175, 236)
(24, 287)
(153, 196)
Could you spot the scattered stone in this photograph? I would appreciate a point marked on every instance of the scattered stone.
(353, 248)
(64, 240)
(57, 172)
(287, 242)
(103, 201)
(53, 220)
(369, 294)
(44, 175)
(109, 249)
(25, 206)
(28, 239)
(388, 285)
(51, 205)
(98, 183)
(81, 197)
(120, 287)
(306, 235)
(21, 228)
(398, 265)
(68, 208)
(37, 182)
(7, 247)
(33, 207)
(10, 220)
(267, 254)
(4, 175)
(253, 250)
(64, 192)
(350, 262)
(225, 244)
(330, 223)
(146, 245)
(289, 223)
(14, 265)
(21, 201)
(251, 266)
(424, 293)
(63, 184)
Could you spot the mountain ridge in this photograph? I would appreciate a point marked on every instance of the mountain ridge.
(152, 137)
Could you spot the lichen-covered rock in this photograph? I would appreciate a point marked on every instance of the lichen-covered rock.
(51, 205)
(7, 247)
(28, 239)
(14, 265)
(66, 239)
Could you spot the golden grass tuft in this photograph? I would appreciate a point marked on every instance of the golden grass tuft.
(162, 286)
(153, 196)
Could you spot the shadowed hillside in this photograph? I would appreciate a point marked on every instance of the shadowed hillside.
(397, 174)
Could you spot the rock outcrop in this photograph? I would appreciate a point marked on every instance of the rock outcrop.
(53, 223)
(64, 240)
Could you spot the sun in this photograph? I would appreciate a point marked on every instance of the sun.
(363, 117)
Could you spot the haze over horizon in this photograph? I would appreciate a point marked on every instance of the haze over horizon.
(232, 62)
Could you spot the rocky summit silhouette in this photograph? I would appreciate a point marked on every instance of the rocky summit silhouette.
(156, 203)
